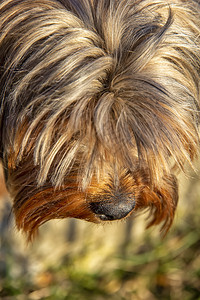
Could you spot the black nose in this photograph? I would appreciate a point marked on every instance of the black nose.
(112, 210)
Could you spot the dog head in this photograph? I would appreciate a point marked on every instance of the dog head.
(99, 107)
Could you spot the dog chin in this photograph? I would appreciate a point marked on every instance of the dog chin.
(107, 200)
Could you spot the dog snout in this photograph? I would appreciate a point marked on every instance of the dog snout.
(112, 210)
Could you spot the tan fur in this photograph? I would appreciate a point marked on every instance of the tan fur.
(99, 106)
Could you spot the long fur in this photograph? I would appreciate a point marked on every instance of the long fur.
(99, 102)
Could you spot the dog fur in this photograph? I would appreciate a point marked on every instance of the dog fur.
(99, 107)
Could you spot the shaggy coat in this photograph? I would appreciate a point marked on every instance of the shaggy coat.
(99, 106)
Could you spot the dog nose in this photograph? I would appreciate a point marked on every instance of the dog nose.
(112, 210)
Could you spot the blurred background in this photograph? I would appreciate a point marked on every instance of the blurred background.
(73, 259)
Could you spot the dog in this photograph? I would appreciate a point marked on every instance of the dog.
(99, 107)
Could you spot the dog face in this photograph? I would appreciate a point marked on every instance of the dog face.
(99, 107)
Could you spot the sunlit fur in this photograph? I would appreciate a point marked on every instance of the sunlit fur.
(99, 103)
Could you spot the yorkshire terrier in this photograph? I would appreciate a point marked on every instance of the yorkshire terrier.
(99, 107)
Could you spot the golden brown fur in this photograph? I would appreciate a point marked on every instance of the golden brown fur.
(99, 106)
